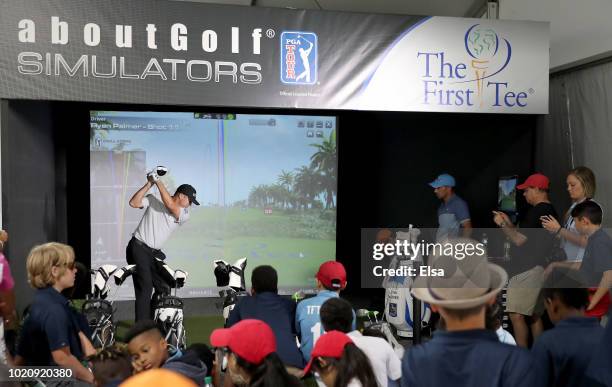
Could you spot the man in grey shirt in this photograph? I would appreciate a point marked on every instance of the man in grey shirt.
(160, 219)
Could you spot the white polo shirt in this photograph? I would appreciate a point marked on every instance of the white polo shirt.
(385, 363)
(157, 223)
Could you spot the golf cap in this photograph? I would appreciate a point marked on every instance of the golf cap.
(537, 180)
(331, 344)
(444, 180)
(250, 339)
(332, 274)
(189, 191)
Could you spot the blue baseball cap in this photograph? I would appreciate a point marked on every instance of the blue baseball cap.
(444, 180)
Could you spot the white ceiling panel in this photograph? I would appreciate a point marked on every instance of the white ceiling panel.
(226, 2)
(458, 8)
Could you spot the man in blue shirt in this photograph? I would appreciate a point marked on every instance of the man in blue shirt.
(331, 280)
(466, 354)
(266, 305)
(453, 213)
(564, 353)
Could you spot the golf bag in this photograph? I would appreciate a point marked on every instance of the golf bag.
(98, 307)
(398, 300)
(232, 277)
(168, 308)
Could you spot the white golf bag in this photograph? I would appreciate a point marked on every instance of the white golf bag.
(232, 277)
(168, 308)
(398, 300)
(98, 308)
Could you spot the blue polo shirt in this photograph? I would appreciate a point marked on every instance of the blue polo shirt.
(50, 325)
(599, 369)
(451, 215)
(278, 313)
(308, 322)
(597, 258)
(466, 358)
(564, 353)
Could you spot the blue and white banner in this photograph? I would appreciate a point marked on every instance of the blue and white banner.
(462, 65)
(181, 53)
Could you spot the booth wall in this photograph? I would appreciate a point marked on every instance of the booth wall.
(388, 159)
(577, 131)
(385, 163)
(29, 185)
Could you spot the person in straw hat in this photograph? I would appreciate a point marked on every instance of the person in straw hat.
(465, 354)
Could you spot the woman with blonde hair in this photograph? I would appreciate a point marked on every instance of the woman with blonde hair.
(50, 335)
(581, 186)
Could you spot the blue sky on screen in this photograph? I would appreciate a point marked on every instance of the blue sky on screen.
(251, 151)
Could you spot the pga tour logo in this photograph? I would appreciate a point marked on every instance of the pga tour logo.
(299, 57)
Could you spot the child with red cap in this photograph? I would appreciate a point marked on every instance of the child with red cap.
(330, 280)
(252, 358)
(340, 363)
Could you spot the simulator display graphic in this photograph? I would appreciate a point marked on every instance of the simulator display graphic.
(267, 185)
(506, 197)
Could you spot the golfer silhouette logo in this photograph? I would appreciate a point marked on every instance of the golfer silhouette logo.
(298, 58)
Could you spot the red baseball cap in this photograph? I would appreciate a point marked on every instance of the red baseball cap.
(332, 274)
(250, 339)
(331, 344)
(536, 180)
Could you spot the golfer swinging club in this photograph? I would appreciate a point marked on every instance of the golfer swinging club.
(159, 220)
(304, 54)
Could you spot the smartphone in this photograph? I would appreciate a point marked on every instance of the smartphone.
(221, 359)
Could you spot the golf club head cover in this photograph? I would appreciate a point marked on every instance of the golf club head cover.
(222, 270)
(166, 273)
(236, 275)
(180, 276)
(229, 301)
(160, 170)
(123, 273)
(100, 283)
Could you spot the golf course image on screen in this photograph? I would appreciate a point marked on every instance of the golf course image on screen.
(267, 185)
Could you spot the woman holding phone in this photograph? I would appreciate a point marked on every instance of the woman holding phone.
(580, 186)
